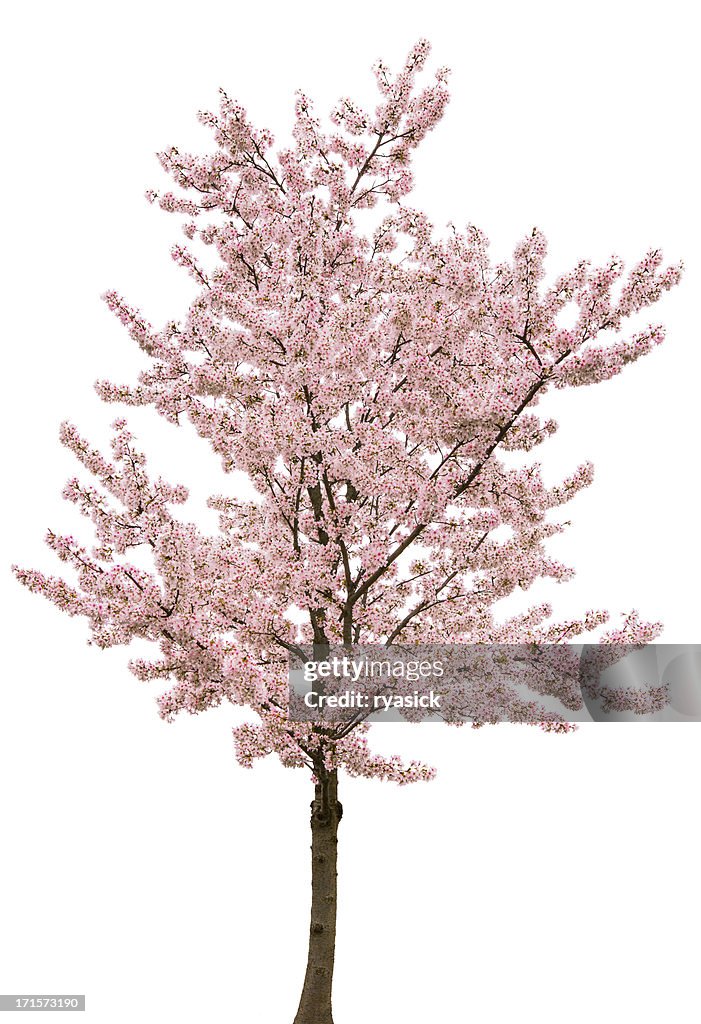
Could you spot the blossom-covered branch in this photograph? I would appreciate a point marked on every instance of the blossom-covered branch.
(366, 373)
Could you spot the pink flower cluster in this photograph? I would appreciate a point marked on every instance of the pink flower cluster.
(366, 377)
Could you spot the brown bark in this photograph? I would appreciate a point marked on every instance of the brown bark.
(315, 1002)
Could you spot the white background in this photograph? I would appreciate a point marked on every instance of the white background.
(540, 878)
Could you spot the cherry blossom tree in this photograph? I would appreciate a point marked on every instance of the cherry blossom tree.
(367, 374)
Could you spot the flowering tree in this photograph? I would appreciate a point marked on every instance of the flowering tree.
(365, 374)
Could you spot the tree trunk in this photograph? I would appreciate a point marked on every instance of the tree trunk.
(315, 1003)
